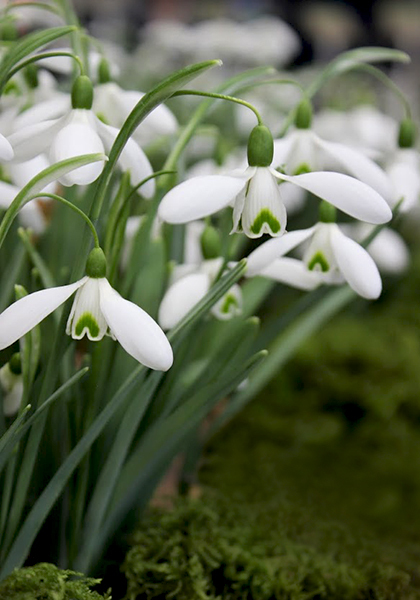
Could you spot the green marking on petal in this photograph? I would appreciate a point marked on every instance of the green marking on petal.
(303, 168)
(88, 321)
(265, 216)
(319, 259)
(229, 302)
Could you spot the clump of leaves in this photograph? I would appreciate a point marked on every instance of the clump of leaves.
(45, 581)
(208, 549)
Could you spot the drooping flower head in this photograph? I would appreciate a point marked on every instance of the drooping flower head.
(256, 196)
(97, 310)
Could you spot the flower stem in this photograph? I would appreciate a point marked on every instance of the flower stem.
(220, 97)
(76, 209)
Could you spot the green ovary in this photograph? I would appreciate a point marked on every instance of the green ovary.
(265, 216)
(319, 259)
(88, 321)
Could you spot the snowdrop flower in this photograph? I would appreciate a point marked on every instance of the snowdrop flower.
(302, 150)
(191, 281)
(31, 215)
(388, 249)
(258, 206)
(114, 104)
(97, 310)
(364, 127)
(80, 132)
(6, 150)
(11, 382)
(331, 257)
(403, 169)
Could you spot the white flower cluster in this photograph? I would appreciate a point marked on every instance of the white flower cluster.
(359, 163)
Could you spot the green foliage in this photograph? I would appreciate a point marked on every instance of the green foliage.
(47, 582)
(210, 549)
(315, 486)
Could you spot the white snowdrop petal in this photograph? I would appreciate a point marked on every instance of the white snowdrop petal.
(22, 173)
(358, 165)
(6, 150)
(353, 197)
(135, 330)
(53, 108)
(13, 399)
(356, 265)
(266, 253)
(199, 197)
(292, 271)
(405, 180)
(389, 251)
(229, 305)
(76, 139)
(181, 297)
(263, 211)
(132, 158)
(85, 316)
(282, 149)
(33, 140)
(8, 193)
(23, 315)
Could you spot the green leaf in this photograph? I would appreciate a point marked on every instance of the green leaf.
(286, 344)
(348, 60)
(39, 182)
(17, 430)
(52, 491)
(160, 444)
(27, 45)
(148, 102)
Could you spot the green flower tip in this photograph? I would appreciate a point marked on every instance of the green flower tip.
(260, 147)
(303, 118)
(327, 212)
(31, 76)
(211, 244)
(407, 134)
(104, 72)
(15, 364)
(82, 93)
(96, 264)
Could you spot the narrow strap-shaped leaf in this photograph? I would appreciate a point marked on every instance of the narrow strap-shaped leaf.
(22, 544)
(31, 42)
(39, 182)
(18, 428)
(163, 441)
(286, 344)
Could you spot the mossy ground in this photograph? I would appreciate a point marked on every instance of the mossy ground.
(314, 490)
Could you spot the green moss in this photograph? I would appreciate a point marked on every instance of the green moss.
(47, 582)
(313, 491)
(211, 549)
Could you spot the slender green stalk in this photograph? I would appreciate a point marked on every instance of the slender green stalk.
(76, 209)
(38, 57)
(217, 96)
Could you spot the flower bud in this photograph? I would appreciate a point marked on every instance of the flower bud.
(260, 147)
(104, 72)
(407, 134)
(82, 93)
(211, 245)
(303, 118)
(327, 212)
(96, 264)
